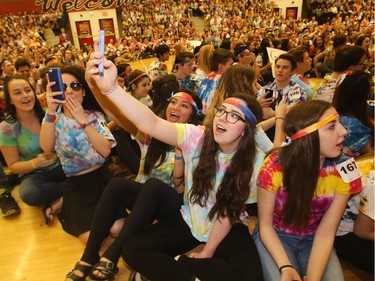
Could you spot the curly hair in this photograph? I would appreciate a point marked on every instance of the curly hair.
(233, 190)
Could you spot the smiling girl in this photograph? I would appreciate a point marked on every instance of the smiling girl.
(221, 164)
(159, 161)
(302, 196)
(40, 173)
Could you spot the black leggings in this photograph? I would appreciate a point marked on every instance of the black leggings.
(151, 200)
(151, 252)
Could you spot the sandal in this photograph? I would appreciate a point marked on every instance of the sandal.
(106, 268)
(84, 269)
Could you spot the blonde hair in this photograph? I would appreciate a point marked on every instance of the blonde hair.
(204, 58)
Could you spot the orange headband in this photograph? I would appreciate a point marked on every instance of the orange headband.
(139, 76)
(314, 127)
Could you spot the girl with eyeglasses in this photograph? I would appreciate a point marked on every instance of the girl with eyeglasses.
(159, 160)
(221, 164)
(302, 194)
(82, 142)
(39, 172)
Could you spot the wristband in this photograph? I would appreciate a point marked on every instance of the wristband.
(50, 118)
(33, 163)
(282, 118)
(84, 125)
(176, 157)
(111, 90)
(284, 266)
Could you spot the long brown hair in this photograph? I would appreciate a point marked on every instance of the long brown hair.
(301, 162)
(234, 189)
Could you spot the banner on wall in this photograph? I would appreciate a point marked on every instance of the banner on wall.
(77, 5)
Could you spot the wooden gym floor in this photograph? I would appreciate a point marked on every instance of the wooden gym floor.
(31, 251)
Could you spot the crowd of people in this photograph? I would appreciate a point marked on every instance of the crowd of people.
(225, 134)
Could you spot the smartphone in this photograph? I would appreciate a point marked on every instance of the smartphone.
(101, 49)
(269, 95)
(54, 75)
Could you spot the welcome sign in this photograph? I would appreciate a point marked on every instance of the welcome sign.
(77, 5)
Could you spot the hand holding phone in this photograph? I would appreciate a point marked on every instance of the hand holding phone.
(54, 75)
(101, 49)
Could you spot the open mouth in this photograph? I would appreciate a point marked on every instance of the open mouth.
(174, 117)
(26, 101)
(220, 129)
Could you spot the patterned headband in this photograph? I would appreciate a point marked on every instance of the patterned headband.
(314, 127)
(188, 98)
(248, 113)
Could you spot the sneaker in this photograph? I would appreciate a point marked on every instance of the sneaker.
(8, 205)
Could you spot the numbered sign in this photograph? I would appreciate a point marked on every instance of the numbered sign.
(348, 170)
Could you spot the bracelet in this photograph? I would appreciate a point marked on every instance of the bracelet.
(177, 157)
(33, 163)
(282, 118)
(50, 118)
(111, 90)
(284, 266)
(84, 125)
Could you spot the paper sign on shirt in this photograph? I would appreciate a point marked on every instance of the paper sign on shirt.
(273, 54)
(348, 170)
(294, 95)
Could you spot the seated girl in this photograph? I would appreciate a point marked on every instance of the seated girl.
(221, 164)
(82, 141)
(40, 173)
(302, 196)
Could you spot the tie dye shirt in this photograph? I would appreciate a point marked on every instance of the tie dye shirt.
(305, 83)
(362, 202)
(326, 88)
(190, 139)
(329, 184)
(207, 89)
(73, 146)
(27, 143)
(157, 69)
(358, 135)
(162, 172)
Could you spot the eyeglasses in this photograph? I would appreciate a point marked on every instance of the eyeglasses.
(231, 117)
(75, 86)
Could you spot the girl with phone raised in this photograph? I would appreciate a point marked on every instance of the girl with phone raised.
(221, 165)
(82, 142)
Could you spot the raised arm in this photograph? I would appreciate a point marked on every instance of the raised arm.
(324, 238)
(140, 115)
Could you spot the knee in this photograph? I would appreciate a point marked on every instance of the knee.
(29, 195)
(116, 228)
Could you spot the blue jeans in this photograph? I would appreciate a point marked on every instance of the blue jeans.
(298, 249)
(43, 188)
